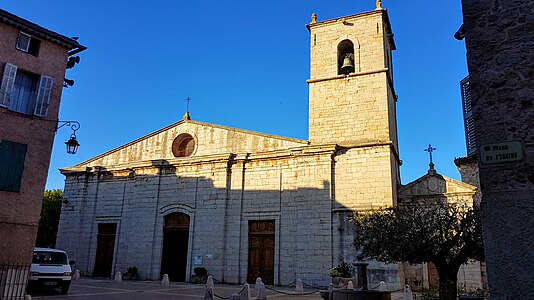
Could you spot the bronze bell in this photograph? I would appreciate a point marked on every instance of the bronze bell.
(348, 65)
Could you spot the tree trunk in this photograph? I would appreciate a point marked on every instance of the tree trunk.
(448, 289)
(448, 280)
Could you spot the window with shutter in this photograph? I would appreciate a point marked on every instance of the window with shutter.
(27, 43)
(43, 96)
(25, 92)
(8, 82)
(12, 156)
(23, 41)
(469, 124)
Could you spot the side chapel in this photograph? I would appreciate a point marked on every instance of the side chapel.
(245, 204)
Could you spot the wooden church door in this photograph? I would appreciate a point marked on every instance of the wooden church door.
(175, 246)
(105, 246)
(261, 238)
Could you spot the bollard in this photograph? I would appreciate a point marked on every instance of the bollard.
(118, 277)
(257, 285)
(382, 286)
(209, 293)
(262, 295)
(209, 282)
(299, 288)
(165, 280)
(330, 289)
(76, 275)
(235, 296)
(407, 294)
(245, 294)
(350, 285)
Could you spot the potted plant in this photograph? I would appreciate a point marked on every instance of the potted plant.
(201, 275)
(132, 274)
(341, 275)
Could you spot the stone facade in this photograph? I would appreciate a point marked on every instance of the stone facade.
(234, 178)
(498, 37)
(430, 188)
(468, 168)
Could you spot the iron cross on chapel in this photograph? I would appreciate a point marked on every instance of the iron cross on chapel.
(430, 150)
(186, 116)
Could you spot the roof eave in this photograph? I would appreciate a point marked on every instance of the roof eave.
(382, 11)
(41, 32)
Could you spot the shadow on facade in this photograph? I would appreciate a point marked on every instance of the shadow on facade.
(238, 223)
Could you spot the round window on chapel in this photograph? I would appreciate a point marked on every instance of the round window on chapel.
(183, 145)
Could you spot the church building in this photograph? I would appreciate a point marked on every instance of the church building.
(245, 204)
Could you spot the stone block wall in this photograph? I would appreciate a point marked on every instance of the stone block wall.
(498, 37)
(366, 31)
(350, 110)
(293, 191)
(209, 139)
(221, 198)
(359, 107)
(364, 178)
(470, 277)
(468, 168)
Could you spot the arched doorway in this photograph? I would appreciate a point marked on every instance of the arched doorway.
(175, 245)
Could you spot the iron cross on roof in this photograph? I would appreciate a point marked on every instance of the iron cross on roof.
(186, 115)
(430, 150)
(187, 104)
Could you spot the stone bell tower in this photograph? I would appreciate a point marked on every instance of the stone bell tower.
(352, 98)
(353, 104)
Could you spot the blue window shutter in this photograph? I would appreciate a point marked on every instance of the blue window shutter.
(43, 96)
(12, 156)
(6, 86)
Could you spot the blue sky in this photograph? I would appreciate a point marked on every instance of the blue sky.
(245, 65)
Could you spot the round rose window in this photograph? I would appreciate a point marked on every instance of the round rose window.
(183, 145)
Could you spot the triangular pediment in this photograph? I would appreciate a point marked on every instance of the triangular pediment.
(207, 140)
(435, 184)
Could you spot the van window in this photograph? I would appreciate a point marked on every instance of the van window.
(49, 258)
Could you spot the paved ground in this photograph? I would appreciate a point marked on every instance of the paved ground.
(86, 288)
(143, 290)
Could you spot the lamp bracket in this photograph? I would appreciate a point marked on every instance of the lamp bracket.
(74, 125)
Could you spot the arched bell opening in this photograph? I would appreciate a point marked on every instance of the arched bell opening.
(345, 57)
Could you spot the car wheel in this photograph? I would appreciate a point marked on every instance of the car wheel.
(30, 289)
(65, 287)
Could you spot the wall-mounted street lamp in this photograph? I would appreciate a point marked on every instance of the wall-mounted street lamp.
(72, 144)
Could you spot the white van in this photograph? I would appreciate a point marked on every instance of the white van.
(50, 268)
